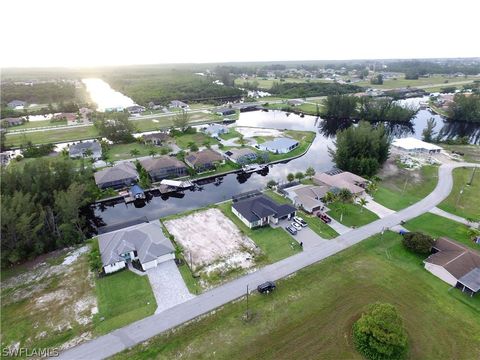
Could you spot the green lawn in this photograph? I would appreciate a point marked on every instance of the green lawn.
(232, 133)
(464, 200)
(123, 298)
(53, 136)
(310, 315)
(38, 124)
(404, 188)
(275, 243)
(438, 226)
(122, 151)
(198, 138)
(354, 215)
(471, 152)
(313, 222)
(401, 82)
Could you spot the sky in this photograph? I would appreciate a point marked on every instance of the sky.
(103, 32)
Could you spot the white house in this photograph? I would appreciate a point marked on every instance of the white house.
(281, 145)
(144, 242)
(415, 145)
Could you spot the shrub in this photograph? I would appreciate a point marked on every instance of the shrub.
(418, 242)
(94, 258)
(380, 334)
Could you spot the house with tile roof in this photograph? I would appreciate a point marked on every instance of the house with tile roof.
(145, 243)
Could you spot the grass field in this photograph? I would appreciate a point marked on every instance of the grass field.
(266, 84)
(310, 315)
(53, 136)
(404, 188)
(464, 200)
(471, 152)
(122, 151)
(401, 82)
(38, 124)
(354, 215)
(123, 298)
(197, 138)
(438, 226)
(276, 244)
(232, 133)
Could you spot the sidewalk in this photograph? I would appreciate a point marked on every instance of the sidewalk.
(453, 217)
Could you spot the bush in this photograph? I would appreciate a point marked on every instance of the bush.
(418, 242)
(379, 333)
(94, 259)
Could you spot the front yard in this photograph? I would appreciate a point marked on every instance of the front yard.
(123, 297)
(353, 214)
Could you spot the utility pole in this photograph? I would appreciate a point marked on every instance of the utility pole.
(459, 194)
(247, 303)
(473, 174)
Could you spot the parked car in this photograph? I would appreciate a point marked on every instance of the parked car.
(291, 230)
(324, 218)
(266, 287)
(296, 226)
(300, 221)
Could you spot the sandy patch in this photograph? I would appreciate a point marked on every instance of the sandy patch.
(212, 241)
(251, 132)
(73, 256)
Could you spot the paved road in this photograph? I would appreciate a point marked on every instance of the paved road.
(453, 217)
(142, 330)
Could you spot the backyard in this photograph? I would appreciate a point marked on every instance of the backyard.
(437, 226)
(123, 151)
(297, 321)
(198, 138)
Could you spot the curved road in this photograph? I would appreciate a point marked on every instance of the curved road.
(130, 335)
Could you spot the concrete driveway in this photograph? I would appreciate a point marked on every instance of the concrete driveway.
(307, 236)
(168, 286)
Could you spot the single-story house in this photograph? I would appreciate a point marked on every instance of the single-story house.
(79, 150)
(260, 210)
(16, 103)
(135, 109)
(156, 138)
(13, 121)
(70, 117)
(342, 180)
(281, 145)
(163, 167)
(144, 242)
(204, 160)
(178, 104)
(224, 111)
(411, 144)
(118, 176)
(308, 197)
(456, 264)
(215, 130)
(241, 155)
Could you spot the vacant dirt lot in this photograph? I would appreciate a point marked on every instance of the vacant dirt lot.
(212, 242)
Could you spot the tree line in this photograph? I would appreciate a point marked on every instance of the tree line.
(342, 107)
(302, 90)
(40, 206)
(465, 108)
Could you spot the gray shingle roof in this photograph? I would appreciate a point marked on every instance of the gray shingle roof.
(161, 162)
(80, 148)
(279, 144)
(146, 239)
(471, 279)
(122, 171)
(255, 208)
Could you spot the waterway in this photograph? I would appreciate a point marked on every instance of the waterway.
(105, 97)
(119, 214)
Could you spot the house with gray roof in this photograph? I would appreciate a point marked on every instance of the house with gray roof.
(260, 210)
(79, 150)
(13, 121)
(215, 130)
(118, 176)
(242, 155)
(16, 103)
(145, 243)
(308, 197)
(164, 167)
(156, 138)
(204, 160)
(224, 111)
(281, 145)
(178, 104)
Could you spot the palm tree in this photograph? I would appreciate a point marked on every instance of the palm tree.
(342, 209)
(345, 195)
(329, 197)
(473, 233)
(372, 187)
(134, 153)
(362, 203)
(153, 152)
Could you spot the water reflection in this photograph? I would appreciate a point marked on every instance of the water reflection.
(105, 97)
